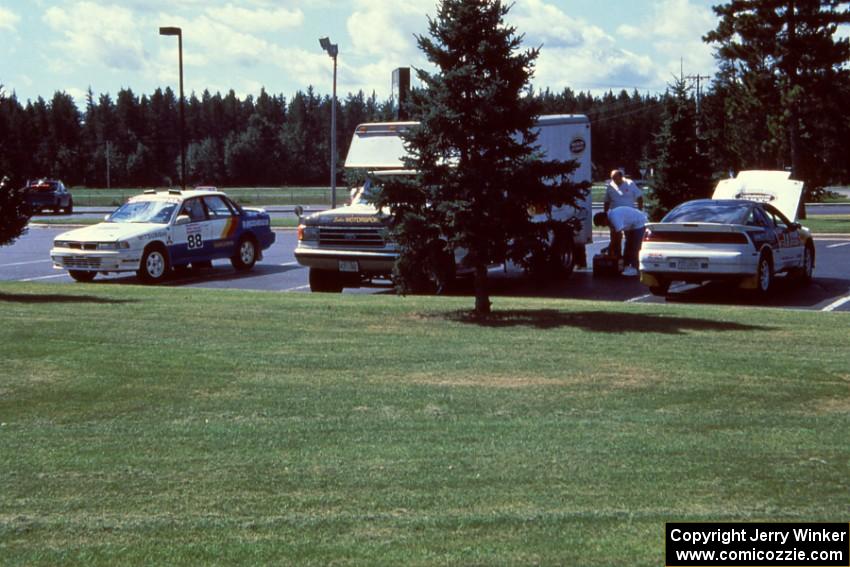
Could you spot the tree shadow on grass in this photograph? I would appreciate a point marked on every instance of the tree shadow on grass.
(58, 298)
(601, 322)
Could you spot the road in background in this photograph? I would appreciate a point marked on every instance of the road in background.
(28, 260)
(287, 211)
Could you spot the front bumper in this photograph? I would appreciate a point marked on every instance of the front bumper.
(369, 264)
(95, 260)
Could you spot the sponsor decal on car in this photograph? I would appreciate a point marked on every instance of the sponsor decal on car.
(255, 223)
(230, 228)
(152, 236)
(357, 220)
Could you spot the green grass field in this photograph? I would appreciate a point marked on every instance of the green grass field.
(251, 196)
(200, 427)
(834, 224)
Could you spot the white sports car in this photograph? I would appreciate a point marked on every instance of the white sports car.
(743, 234)
(152, 233)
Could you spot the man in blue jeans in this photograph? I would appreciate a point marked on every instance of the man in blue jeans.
(632, 223)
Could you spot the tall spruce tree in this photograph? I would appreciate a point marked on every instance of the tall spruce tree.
(478, 168)
(13, 210)
(683, 169)
(783, 68)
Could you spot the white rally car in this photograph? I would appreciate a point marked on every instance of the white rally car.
(745, 234)
(157, 231)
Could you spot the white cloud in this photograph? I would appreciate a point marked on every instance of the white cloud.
(547, 24)
(93, 34)
(259, 20)
(677, 27)
(8, 20)
(386, 28)
(578, 54)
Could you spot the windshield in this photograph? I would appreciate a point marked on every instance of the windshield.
(158, 212)
(722, 212)
(365, 195)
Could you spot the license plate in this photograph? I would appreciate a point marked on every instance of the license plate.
(349, 266)
(688, 264)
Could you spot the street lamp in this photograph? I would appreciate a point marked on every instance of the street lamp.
(332, 49)
(179, 33)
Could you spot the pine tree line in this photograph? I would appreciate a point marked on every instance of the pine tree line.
(270, 141)
(255, 141)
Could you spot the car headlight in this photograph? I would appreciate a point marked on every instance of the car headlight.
(61, 243)
(308, 232)
(121, 245)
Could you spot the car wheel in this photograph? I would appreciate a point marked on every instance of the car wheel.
(325, 281)
(661, 289)
(246, 254)
(154, 266)
(70, 208)
(564, 259)
(765, 274)
(82, 276)
(804, 273)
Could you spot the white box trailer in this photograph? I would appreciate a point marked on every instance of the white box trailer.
(345, 247)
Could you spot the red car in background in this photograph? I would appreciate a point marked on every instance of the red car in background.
(43, 194)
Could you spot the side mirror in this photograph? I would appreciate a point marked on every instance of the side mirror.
(182, 219)
(794, 226)
(299, 211)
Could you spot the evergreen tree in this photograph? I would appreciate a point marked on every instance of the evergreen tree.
(13, 210)
(474, 153)
(783, 68)
(683, 169)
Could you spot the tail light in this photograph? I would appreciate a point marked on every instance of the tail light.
(695, 237)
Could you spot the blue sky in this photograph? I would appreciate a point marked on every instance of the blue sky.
(71, 45)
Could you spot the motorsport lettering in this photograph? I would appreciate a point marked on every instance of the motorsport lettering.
(725, 537)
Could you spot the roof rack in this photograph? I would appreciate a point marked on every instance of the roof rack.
(175, 192)
(150, 191)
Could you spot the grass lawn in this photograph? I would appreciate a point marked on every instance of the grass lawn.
(201, 427)
(827, 223)
(249, 196)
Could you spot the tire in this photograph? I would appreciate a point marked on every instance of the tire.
(564, 258)
(246, 254)
(82, 276)
(661, 289)
(325, 281)
(764, 275)
(70, 208)
(558, 262)
(154, 266)
(804, 273)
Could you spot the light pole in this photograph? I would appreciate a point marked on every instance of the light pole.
(179, 33)
(332, 50)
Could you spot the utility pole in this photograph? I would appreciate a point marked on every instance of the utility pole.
(698, 78)
(108, 153)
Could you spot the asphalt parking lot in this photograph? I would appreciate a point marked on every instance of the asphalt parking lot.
(28, 260)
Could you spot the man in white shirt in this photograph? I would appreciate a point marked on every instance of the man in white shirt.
(632, 223)
(622, 192)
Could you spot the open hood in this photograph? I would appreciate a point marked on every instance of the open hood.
(774, 187)
(378, 146)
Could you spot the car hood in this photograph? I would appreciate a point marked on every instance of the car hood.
(774, 187)
(110, 231)
(350, 215)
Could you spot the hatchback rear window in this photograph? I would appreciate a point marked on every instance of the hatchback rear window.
(721, 212)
